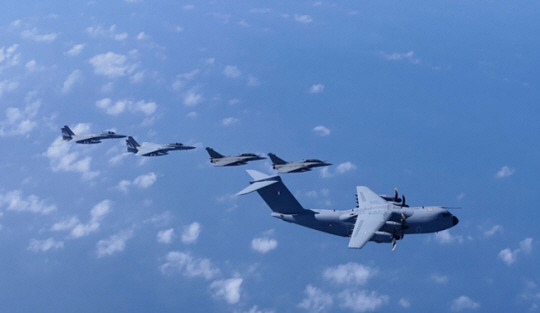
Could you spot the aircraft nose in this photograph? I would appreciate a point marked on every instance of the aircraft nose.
(455, 220)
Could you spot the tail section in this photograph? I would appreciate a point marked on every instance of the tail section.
(276, 195)
(276, 160)
(213, 154)
(132, 145)
(67, 133)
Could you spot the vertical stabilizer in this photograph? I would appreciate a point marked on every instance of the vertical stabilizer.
(276, 195)
(132, 145)
(67, 133)
(213, 154)
(276, 160)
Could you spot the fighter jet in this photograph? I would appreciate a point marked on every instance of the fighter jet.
(153, 149)
(374, 218)
(283, 166)
(68, 135)
(221, 160)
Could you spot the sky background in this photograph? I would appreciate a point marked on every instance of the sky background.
(439, 99)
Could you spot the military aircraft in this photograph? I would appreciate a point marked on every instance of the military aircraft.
(68, 135)
(153, 149)
(283, 166)
(374, 218)
(221, 160)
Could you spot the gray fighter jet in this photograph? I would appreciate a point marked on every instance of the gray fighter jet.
(374, 218)
(68, 135)
(283, 166)
(153, 149)
(221, 160)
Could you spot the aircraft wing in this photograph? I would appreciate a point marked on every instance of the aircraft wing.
(294, 168)
(86, 139)
(368, 199)
(228, 162)
(367, 223)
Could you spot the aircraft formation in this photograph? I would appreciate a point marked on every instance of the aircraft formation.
(377, 218)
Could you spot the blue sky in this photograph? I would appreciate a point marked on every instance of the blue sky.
(439, 99)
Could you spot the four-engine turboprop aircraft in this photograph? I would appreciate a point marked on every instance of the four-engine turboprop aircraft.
(68, 135)
(219, 159)
(283, 166)
(374, 219)
(153, 149)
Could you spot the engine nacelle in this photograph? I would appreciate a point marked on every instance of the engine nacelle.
(381, 237)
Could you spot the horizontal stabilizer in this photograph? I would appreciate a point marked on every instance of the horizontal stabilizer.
(258, 176)
(256, 186)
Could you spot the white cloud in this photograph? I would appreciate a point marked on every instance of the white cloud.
(255, 309)
(263, 244)
(349, 273)
(252, 81)
(231, 71)
(192, 98)
(34, 35)
(62, 158)
(72, 78)
(97, 214)
(188, 265)
(31, 66)
(166, 236)
(7, 86)
(121, 106)
(305, 19)
(75, 50)
(182, 79)
(493, 230)
(113, 244)
(345, 167)
(19, 121)
(316, 88)
(45, 245)
(445, 237)
(504, 172)
(341, 169)
(464, 303)
(9, 57)
(526, 245)
(509, 256)
(142, 36)
(227, 289)
(409, 56)
(404, 303)
(229, 121)
(111, 65)
(143, 181)
(362, 301)
(321, 130)
(316, 300)
(439, 279)
(15, 201)
(110, 32)
(66, 224)
(191, 233)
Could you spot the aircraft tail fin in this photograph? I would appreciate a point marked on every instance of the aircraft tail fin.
(213, 154)
(276, 195)
(276, 160)
(132, 145)
(67, 133)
